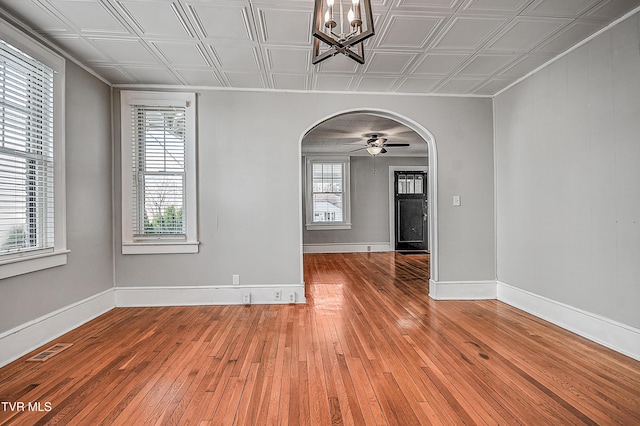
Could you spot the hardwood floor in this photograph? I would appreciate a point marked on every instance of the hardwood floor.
(368, 348)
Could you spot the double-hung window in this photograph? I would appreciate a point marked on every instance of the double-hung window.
(158, 173)
(327, 193)
(32, 203)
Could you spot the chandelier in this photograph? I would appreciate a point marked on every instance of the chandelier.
(342, 30)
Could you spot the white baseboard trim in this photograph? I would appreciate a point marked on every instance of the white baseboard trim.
(346, 248)
(612, 334)
(208, 295)
(462, 290)
(26, 337)
(23, 339)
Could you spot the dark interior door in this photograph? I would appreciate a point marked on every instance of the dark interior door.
(411, 210)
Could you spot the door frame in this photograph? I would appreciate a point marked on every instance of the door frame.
(392, 202)
(432, 176)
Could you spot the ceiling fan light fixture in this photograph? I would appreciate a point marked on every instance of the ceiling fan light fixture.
(374, 149)
(339, 28)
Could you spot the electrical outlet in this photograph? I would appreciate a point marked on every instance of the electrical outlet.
(277, 295)
(236, 279)
(246, 298)
(292, 298)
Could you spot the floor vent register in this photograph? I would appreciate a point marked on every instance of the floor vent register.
(50, 352)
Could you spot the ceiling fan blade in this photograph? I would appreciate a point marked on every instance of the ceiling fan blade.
(359, 149)
(397, 144)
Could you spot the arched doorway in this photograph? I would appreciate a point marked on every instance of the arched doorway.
(425, 136)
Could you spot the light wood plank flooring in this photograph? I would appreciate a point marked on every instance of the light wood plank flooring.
(368, 348)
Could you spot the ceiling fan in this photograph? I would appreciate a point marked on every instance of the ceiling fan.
(377, 144)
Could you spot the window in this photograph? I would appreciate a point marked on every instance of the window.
(32, 199)
(410, 184)
(327, 193)
(158, 173)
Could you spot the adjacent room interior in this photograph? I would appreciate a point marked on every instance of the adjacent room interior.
(205, 219)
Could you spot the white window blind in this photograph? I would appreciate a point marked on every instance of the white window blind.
(159, 190)
(159, 153)
(327, 195)
(26, 153)
(327, 192)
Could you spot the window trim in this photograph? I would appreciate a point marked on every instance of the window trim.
(158, 244)
(36, 260)
(346, 185)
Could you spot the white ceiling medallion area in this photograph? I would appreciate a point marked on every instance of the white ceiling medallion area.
(458, 47)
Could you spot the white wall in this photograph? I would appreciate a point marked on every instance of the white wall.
(568, 178)
(89, 220)
(250, 200)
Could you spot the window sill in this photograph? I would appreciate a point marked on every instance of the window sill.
(327, 227)
(165, 247)
(36, 262)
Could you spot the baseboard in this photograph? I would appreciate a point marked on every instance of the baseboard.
(26, 337)
(208, 295)
(346, 248)
(614, 335)
(462, 290)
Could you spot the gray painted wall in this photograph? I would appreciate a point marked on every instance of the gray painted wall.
(250, 196)
(566, 150)
(89, 269)
(369, 202)
(567, 165)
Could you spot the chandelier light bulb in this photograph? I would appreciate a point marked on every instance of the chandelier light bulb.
(328, 17)
(356, 19)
